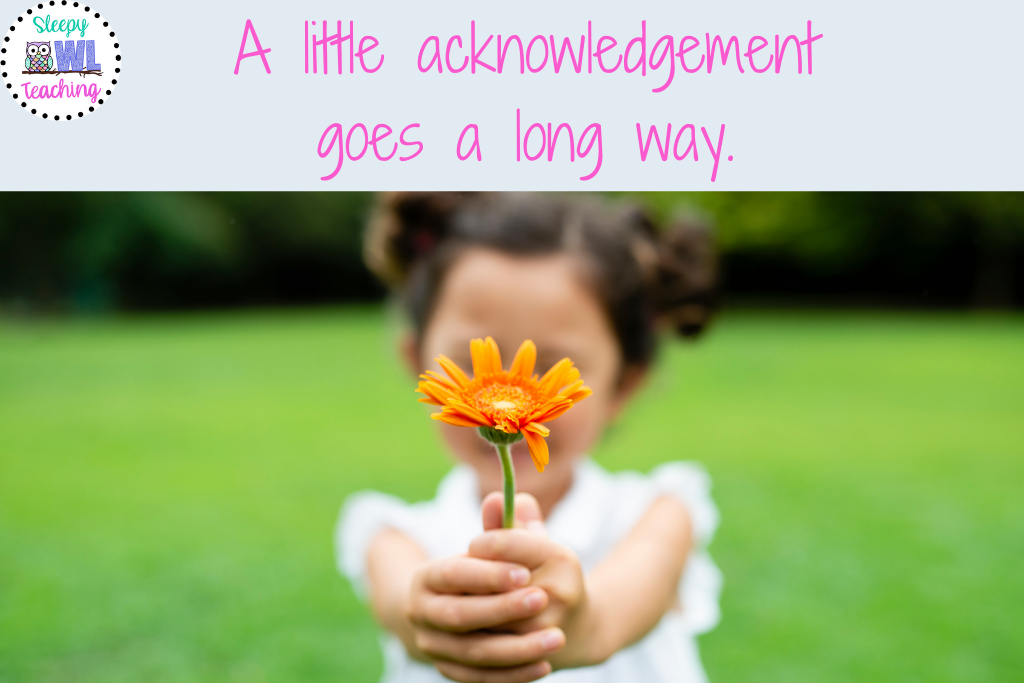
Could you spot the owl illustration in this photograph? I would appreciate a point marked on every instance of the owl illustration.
(38, 57)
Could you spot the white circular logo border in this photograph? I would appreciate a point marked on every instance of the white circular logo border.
(10, 64)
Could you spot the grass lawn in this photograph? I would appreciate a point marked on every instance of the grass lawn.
(169, 485)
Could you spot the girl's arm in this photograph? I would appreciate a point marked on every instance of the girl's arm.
(630, 591)
(392, 562)
(621, 600)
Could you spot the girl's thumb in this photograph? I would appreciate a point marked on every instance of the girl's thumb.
(527, 514)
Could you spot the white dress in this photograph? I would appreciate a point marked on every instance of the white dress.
(598, 511)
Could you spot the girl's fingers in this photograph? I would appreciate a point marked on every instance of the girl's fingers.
(545, 619)
(514, 545)
(458, 614)
(469, 674)
(462, 574)
(527, 513)
(490, 650)
(493, 510)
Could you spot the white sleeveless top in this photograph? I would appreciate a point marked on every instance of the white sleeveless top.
(597, 512)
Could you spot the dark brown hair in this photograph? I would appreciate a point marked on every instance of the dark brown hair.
(645, 278)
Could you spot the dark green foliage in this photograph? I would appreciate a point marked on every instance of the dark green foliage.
(82, 251)
(174, 250)
(917, 248)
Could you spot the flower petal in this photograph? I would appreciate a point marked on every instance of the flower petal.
(536, 463)
(526, 358)
(581, 394)
(486, 357)
(451, 419)
(571, 389)
(468, 411)
(439, 393)
(555, 378)
(537, 429)
(494, 353)
(538, 450)
(551, 410)
(454, 371)
(432, 376)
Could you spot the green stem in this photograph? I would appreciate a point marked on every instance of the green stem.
(509, 477)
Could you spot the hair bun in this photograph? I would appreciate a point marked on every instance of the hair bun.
(685, 292)
(405, 228)
(644, 278)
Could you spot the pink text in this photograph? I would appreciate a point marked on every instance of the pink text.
(539, 140)
(366, 139)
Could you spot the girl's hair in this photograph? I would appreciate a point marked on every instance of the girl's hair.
(645, 278)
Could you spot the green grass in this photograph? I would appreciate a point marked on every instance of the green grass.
(169, 485)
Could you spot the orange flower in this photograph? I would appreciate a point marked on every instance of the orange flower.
(514, 402)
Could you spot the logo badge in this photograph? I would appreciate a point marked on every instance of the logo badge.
(60, 60)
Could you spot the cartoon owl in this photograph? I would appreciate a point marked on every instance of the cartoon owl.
(38, 57)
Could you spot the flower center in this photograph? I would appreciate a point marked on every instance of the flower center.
(500, 400)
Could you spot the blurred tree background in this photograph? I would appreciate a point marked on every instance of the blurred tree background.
(139, 251)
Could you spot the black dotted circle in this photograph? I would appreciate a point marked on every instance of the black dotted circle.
(46, 115)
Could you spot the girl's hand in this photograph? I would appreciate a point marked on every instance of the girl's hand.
(454, 601)
(554, 568)
(434, 605)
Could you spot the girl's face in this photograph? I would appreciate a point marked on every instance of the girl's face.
(513, 298)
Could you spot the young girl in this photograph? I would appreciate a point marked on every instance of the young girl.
(605, 577)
